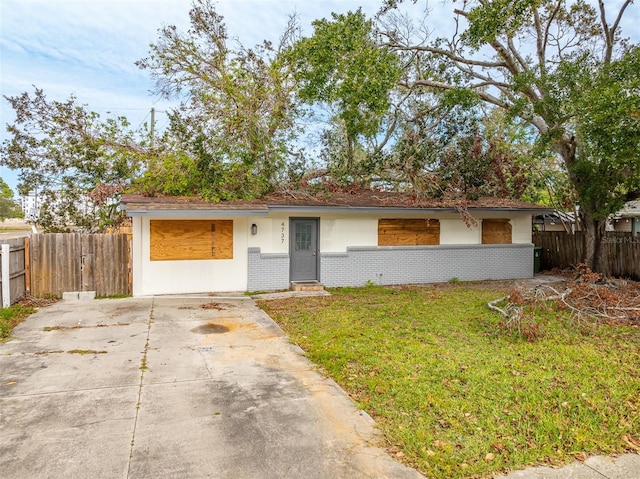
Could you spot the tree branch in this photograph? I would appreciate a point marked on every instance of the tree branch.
(449, 54)
(446, 86)
(547, 30)
(517, 55)
(610, 32)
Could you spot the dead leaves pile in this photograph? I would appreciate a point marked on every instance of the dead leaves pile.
(30, 301)
(586, 296)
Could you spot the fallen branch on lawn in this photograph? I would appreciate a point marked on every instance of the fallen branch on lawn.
(586, 297)
(515, 318)
(493, 305)
(525, 297)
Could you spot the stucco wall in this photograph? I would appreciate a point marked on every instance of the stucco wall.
(272, 236)
(455, 231)
(521, 228)
(338, 233)
(194, 276)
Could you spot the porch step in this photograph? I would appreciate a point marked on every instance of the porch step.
(306, 286)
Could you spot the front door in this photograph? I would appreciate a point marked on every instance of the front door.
(304, 249)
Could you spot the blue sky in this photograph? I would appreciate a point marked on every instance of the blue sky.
(88, 47)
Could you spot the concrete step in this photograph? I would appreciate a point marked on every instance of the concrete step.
(306, 286)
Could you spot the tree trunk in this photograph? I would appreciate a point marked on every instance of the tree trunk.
(593, 234)
(593, 227)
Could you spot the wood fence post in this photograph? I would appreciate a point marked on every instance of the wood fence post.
(6, 275)
(27, 265)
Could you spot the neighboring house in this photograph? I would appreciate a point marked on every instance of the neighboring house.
(32, 203)
(186, 245)
(30, 206)
(555, 220)
(628, 218)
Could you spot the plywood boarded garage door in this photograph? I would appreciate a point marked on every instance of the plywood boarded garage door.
(496, 231)
(408, 232)
(191, 239)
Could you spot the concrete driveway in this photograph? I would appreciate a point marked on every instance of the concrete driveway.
(174, 387)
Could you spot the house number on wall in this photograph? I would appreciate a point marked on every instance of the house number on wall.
(282, 233)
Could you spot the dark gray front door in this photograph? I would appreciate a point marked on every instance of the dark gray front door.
(304, 249)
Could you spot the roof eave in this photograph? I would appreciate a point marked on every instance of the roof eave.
(135, 209)
(397, 209)
(192, 213)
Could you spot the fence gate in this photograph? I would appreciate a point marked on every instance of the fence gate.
(13, 273)
(79, 262)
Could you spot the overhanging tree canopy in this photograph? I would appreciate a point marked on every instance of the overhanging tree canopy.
(75, 162)
(233, 134)
(555, 64)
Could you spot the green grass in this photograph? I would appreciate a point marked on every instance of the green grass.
(457, 394)
(86, 351)
(12, 316)
(15, 227)
(116, 296)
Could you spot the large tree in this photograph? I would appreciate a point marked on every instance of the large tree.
(563, 67)
(384, 133)
(75, 162)
(234, 132)
(342, 67)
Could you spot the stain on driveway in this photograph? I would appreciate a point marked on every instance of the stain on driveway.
(174, 387)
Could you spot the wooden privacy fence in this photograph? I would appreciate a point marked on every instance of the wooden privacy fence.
(564, 250)
(63, 262)
(13, 274)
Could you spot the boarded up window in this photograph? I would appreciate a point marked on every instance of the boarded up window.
(408, 232)
(191, 239)
(496, 232)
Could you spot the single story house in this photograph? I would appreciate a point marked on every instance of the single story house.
(186, 245)
(555, 220)
(627, 220)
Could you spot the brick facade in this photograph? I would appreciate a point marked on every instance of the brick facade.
(267, 272)
(388, 265)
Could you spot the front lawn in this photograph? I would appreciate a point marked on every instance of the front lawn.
(12, 316)
(458, 396)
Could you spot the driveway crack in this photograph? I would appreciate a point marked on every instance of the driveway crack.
(143, 369)
(596, 471)
(204, 361)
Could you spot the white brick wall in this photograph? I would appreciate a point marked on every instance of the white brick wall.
(387, 265)
(267, 272)
(426, 264)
